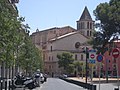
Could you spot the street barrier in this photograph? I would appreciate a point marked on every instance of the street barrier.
(82, 84)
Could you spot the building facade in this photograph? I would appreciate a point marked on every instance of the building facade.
(54, 41)
(110, 64)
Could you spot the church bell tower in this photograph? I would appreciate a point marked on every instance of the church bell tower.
(85, 24)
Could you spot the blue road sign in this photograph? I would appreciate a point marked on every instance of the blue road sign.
(92, 61)
(99, 58)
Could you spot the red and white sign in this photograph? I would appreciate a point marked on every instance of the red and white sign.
(92, 56)
(115, 53)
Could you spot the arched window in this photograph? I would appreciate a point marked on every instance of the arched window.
(51, 48)
(87, 25)
(90, 25)
(88, 33)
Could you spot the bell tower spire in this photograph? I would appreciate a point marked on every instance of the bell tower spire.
(85, 24)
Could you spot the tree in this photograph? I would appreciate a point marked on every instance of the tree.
(30, 57)
(15, 41)
(108, 15)
(78, 67)
(66, 61)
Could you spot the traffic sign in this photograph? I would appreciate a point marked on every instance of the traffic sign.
(115, 53)
(92, 61)
(92, 56)
(99, 58)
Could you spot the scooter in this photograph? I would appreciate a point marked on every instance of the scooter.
(23, 82)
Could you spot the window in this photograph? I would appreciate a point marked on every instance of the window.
(87, 25)
(82, 57)
(77, 44)
(88, 33)
(75, 56)
(82, 25)
(90, 25)
(51, 48)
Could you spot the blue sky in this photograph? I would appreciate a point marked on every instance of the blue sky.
(44, 14)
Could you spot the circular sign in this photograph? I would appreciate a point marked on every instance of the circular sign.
(115, 52)
(99, 58)
(92, 56)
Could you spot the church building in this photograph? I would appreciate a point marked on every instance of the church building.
(57, 40)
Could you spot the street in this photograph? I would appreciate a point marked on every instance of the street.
(58, 84)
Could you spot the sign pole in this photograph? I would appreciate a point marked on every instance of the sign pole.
(99, 59)
(92, 73)
(99, 73)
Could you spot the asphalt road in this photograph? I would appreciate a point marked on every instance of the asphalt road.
(58, 84)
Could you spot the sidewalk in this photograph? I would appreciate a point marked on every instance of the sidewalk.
(102, 85)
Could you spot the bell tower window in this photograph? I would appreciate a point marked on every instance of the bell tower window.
(90, 25)
(88, 33)
(51, 48)
(87, 25)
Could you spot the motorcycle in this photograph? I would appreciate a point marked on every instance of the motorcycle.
(23, 82)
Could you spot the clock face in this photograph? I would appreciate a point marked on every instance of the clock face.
(77, 44)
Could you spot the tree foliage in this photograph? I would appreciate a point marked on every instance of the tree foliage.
(108, 15)
(16, 47)
(66, 61)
